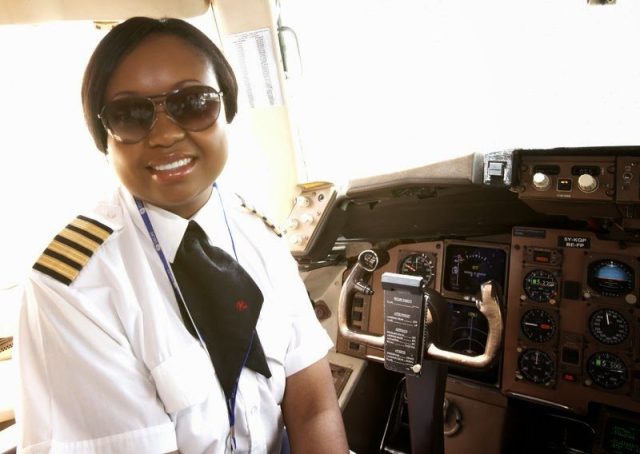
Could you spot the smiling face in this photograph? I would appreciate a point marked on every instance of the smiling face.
(171, 167)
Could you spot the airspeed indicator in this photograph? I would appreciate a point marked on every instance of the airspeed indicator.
(609, 326)
(419, 264)
(538, 325)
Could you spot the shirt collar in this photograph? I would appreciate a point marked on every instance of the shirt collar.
(170, 227)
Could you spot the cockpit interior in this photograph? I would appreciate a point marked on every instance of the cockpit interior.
(480, 302)
(558, 231)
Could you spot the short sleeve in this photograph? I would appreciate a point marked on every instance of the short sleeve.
(81, 387)
(309, 342)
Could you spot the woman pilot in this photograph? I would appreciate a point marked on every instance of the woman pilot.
(112, 356)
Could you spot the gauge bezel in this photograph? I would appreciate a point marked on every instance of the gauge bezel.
(557, 274)
(552, 381)
(552, 313)
(506, 248)
(624, 388)
(624, 312)
(626, 260)
(404, 254)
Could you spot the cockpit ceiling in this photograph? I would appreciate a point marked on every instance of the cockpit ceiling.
(34, 11)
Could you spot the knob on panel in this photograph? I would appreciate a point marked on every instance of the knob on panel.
(541, 181)
(587, 183)
(303, 201)
(308, 215)
(307, 218)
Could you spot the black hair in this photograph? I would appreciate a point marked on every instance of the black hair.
(122, 40)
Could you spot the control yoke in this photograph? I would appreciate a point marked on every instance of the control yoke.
(416, 319)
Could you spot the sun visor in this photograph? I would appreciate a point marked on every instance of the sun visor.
(34, 11)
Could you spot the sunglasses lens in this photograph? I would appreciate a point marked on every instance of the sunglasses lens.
(129, 119)
(194, 108)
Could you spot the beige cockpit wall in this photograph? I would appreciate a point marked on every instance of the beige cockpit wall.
(269, 122)
(267, 168)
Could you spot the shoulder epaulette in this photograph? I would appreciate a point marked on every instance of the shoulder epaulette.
(72, 248)
(264, 219)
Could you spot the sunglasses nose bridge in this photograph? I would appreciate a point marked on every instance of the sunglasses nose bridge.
(159, 106)
(164, 130)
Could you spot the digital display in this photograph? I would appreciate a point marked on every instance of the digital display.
(467, 267)
(469, 331)
(621, 437)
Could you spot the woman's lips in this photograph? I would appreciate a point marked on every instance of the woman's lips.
(173, 171)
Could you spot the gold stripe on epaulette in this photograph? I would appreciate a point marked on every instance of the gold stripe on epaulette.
(72, 249)
(79, 238)
(264, 219)
(58, 266)
(69, 252)
(91, 228)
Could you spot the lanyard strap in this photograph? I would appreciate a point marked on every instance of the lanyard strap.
(231, 401)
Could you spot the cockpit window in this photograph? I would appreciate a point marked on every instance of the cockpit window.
(388, 85)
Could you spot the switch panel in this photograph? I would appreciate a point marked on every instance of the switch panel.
(309, 212)
(561, 179)
(628, 179)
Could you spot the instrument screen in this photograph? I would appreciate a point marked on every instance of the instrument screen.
(467, 266)
(611, 277)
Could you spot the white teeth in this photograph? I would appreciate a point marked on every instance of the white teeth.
(173, 165)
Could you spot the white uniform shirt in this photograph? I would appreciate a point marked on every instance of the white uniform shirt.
(107, 365)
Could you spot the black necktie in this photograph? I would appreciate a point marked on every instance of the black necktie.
(224, 302)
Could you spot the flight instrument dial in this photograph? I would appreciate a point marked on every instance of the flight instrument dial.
(419, 264)
(611, 277)
(538, 325)
(540, 286)
(607, 370)
(609, 326)
(537, 366)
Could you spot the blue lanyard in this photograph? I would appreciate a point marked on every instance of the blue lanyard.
(231, 401)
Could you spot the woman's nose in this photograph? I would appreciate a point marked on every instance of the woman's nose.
(165, 132)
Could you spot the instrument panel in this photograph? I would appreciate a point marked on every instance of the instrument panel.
(572, 320)
(570, 307)
(455, 268)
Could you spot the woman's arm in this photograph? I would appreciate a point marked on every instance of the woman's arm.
(311, 413)
(81, 388)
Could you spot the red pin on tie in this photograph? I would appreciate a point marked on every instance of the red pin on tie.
(241, 306)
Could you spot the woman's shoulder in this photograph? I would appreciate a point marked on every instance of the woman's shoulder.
(249, 211)
(246, 215)
(75, 246)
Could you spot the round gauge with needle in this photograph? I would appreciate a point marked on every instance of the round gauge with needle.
(419, 264)
(537, 366)
(540, 286)
(609, 326)
(538, 325)
(607, 370)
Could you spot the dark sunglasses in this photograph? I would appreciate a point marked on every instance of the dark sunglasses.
(129, 119)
